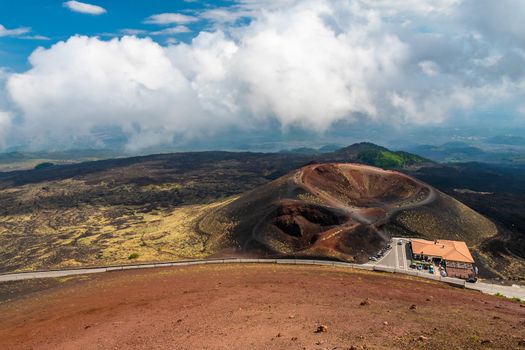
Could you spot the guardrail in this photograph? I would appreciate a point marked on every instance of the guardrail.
(482, 287)
(81, 271)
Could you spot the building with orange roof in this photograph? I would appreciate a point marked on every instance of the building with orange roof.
(454, 255)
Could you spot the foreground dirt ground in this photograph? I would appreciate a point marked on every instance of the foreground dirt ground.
(254, 307)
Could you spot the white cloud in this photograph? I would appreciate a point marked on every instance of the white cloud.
(13, 32)
(171, 30)
(166, 31)
(423, 7)
(5, 116)
(308, 63)
(170, 18)
(225, 15)
(499, 20)
(5, 125)
(82, 7)
(35, 37)
(429, 68)
(130, 83)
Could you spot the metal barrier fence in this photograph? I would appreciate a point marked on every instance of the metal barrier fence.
(482, 287)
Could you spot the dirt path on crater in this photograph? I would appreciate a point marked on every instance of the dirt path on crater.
(256, 307)
(353, 211)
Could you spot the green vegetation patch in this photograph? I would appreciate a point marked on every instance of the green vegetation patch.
(389, 159)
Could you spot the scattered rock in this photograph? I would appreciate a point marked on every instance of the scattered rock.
(521, 342)
(179, 320)
(413, 307)
(385, 323)
(365, 302)
(294, 338)
(422, 338)
(486, 341)
(321, 329)
(353, 347)
(496, 318)
(291, 316)
(87, 327)
(278, 335)
(522, 305)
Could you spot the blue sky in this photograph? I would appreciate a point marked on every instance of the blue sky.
(162, 73)
(49, 18)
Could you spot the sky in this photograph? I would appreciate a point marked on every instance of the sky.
(232, 74)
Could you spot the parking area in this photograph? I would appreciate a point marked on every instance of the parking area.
(396, 255)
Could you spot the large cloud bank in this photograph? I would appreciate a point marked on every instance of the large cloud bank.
(307, 63)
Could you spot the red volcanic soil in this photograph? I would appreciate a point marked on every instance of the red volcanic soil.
(360, 185)
(256, 307)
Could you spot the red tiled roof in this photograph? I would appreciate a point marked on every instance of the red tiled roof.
(447, 250)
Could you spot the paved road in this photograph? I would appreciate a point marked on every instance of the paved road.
(488, 288)
(397, 256)
(48, 274)
(390, 258)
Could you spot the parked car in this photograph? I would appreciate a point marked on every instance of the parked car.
(472, 280)
(431, 269)
(419, 267)
(413, 266)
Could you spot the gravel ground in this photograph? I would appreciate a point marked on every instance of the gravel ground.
(254, 307)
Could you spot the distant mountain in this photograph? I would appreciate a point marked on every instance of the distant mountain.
(18, 160)
(330, 148)
(272, 165)
(457, 152)
(508, 140)
(301, 150)
(371, 154)
(309, 150)
(450, 152)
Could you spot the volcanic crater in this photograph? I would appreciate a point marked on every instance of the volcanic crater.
(341, 211)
